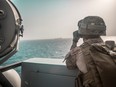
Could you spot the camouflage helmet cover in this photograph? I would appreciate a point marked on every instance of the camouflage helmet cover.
(92, 25)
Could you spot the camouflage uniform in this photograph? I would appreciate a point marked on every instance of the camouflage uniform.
(78, 55)
(80, 62)
(90, 29)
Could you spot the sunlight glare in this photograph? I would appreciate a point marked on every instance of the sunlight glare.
(106, 1)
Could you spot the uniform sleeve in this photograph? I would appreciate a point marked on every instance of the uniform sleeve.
(70, 59)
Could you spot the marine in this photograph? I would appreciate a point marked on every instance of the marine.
(88, 57)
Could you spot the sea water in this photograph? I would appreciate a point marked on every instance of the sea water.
(47, 48)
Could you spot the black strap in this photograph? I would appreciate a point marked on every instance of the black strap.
(78, 80)
(3, 81)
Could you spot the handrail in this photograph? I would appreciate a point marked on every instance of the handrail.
(11, 66)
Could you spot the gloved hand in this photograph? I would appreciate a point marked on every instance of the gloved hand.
(75, 36)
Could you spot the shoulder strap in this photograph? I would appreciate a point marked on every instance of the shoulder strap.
(92, 74)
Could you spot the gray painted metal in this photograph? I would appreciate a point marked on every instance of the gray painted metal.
(46, 72)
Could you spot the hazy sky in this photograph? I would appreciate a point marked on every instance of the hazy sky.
(44, 19)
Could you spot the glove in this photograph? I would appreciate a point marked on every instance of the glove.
(76, 36)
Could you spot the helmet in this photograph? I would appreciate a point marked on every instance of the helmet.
(92, 25)
(10, 29)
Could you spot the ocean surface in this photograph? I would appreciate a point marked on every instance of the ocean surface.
(47, 48)
(50, 48)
